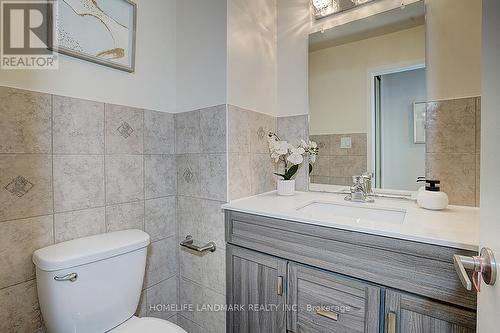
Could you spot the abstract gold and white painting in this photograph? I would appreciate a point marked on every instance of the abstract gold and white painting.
(101, 31)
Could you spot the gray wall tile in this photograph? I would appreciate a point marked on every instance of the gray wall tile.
(124, 130)
(259, 126)
(189, 326)
(125, 216)
(188, 174)
(262, 169)
(78, 126)
(293, 129)
(78, 182)
(160, 175)
(162, 261)
(358, 141)
(124, 178)
(203, 219)
(213, 129)
(25, 124)
(77, 224)
(348, 166)
(335, 165)
(187, 132)
(451, 126)
(213, 322)
(478, 180)
(18, 240)
(20, 311)
(213, 176)
(142, 310)
(478, 124)
(163, 293)
(453, 129)
(325, 143)
(240, 175)
(457, 173)
(25, 186)
(159, 132)
(161, 217)
(238, 130)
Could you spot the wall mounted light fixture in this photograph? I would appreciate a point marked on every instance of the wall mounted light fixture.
(323, 8)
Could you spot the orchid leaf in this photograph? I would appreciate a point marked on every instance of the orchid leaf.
(291, 172)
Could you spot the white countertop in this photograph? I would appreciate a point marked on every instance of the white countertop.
(456, 227)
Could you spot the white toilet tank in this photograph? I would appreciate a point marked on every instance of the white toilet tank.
(100, 281)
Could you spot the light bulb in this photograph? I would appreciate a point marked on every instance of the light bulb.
(320, 5)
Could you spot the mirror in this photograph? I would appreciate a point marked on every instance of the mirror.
(367, 99)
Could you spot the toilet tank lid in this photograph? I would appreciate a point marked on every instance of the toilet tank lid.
(90, 249)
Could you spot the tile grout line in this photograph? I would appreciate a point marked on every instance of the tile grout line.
(144, 169)
(144, 200)
(105, 178)
(53, 181)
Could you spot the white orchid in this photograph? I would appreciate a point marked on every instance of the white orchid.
(277, 148)
(295, 157)
(289, 155)
(311, 148)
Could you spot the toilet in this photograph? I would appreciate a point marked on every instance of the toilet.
(93, 285)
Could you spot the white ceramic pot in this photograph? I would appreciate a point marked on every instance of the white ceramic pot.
(286, 187)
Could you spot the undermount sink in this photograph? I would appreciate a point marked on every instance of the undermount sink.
(352, 212)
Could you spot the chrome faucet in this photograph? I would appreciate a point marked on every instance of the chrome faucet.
(362, 189)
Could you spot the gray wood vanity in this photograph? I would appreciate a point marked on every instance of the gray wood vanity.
(311, 278)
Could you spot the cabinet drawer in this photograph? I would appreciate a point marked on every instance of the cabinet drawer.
(326, 302)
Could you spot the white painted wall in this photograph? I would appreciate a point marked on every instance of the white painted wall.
(295, 23)
(453, 48)
(201, 50)
(402, 160)
(251, 55)
(152, 86)
(339, 76)
(452, 62)
(489, 298)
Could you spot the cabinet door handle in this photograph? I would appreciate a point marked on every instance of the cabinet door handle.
(328, 314)
(391, 322)
(280, 286)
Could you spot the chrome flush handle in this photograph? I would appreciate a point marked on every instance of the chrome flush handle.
(483, 264)
(69, 277)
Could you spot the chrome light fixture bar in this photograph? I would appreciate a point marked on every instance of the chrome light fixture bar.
(323, 8)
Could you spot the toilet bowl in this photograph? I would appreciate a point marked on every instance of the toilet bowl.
(93, 285)
(147, 325)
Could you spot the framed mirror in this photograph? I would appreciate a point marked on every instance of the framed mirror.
(367, 100)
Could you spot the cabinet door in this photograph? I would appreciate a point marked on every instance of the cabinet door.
(327, 302)
(256, 284)
(406, 313)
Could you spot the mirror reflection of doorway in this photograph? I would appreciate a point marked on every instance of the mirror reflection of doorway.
(399, 155)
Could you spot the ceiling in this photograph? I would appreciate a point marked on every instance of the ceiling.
(384, 23)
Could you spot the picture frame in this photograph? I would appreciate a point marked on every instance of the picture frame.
(98, 31)
(419, 115)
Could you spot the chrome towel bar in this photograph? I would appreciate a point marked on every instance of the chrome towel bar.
(190, 244)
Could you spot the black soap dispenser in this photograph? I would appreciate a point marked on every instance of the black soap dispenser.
(431, 197)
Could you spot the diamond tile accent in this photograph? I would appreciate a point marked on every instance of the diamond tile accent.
(19, 186)
(125, 129)
(188, 175)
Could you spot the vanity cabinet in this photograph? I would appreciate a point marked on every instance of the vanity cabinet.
(407, 313)
(257, 285)
(318, 279)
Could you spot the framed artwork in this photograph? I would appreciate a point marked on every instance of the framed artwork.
(419, 112)
(100, 31)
